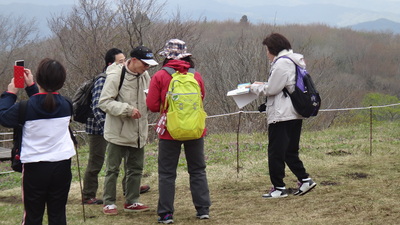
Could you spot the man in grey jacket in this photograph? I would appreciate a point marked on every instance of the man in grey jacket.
(126, 127)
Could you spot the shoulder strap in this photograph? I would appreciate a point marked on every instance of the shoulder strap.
(286, 57)
(285, 91)
(169, 70)
(122, 77)
(102, 74)
(191, 70)
(22, 113)
(17, 137)
(172, 71)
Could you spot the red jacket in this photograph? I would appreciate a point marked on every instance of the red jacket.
(159, 86)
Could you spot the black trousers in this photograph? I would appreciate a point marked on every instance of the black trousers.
(46, 183)
(283, 148)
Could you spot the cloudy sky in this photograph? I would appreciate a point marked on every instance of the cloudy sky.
(373, 5)
(258, 10)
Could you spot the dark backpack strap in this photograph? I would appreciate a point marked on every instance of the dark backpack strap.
(121, 80)
(21, 122)
(22, 113)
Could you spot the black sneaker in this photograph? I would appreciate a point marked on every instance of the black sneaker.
(276, 193)
(305, 186)
(167, 219)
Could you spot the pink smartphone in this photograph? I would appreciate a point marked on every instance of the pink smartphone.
(19, 81)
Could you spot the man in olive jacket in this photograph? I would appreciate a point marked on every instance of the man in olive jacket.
(126, 127)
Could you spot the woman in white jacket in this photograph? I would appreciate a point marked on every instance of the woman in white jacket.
(284, 123)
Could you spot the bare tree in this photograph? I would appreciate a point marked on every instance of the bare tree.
(14, 34)
(85, 35)
(136, 17)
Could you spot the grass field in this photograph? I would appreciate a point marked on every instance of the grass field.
(355, 185)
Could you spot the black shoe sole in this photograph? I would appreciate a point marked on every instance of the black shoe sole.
(303, 193)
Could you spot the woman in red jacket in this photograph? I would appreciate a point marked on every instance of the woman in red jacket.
(177, 58)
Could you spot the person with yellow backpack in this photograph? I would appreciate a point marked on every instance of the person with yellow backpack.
(177, 92)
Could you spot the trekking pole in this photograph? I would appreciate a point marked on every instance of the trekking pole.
(79, 173)
(80, 183)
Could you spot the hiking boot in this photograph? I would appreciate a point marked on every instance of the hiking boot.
(305, 186)
(276, 193)
(135, 207)
(110, 210)
(202, 216)
(167, 219)
(144, 189)
(92, 201)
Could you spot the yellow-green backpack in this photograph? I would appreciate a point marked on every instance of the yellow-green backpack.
(186, 118)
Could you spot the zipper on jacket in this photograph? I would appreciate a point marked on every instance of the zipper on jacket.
(137, 106)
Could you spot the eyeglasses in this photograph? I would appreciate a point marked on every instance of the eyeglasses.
(145, 64)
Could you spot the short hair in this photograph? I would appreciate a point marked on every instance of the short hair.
(110, 56)
(276, 42)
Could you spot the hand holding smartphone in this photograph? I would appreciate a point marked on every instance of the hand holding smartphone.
(19, 81)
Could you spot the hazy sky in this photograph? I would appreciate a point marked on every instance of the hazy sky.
(373, 5)
(392, 6)
(371, 9)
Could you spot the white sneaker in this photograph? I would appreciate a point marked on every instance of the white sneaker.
(203, 216)
(276, 193)
(110, 210)
(305, 186)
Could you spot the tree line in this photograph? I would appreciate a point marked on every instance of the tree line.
(345, 64)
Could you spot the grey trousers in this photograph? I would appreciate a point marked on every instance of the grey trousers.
(97, 151)
(168, 158)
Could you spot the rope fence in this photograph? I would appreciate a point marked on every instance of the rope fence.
(239, 113)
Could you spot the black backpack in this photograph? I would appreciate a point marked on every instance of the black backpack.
(82, 100)
(16, 164)
(305, 97)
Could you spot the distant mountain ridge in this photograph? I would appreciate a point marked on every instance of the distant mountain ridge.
(380, 25)
(329, 14)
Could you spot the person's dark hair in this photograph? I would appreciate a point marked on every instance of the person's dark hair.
(109, 58)
(50, 76)
(276, 42)
(187, 59)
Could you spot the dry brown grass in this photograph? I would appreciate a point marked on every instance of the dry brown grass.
(353, 186)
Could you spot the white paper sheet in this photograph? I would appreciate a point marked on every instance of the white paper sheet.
(242, 95)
